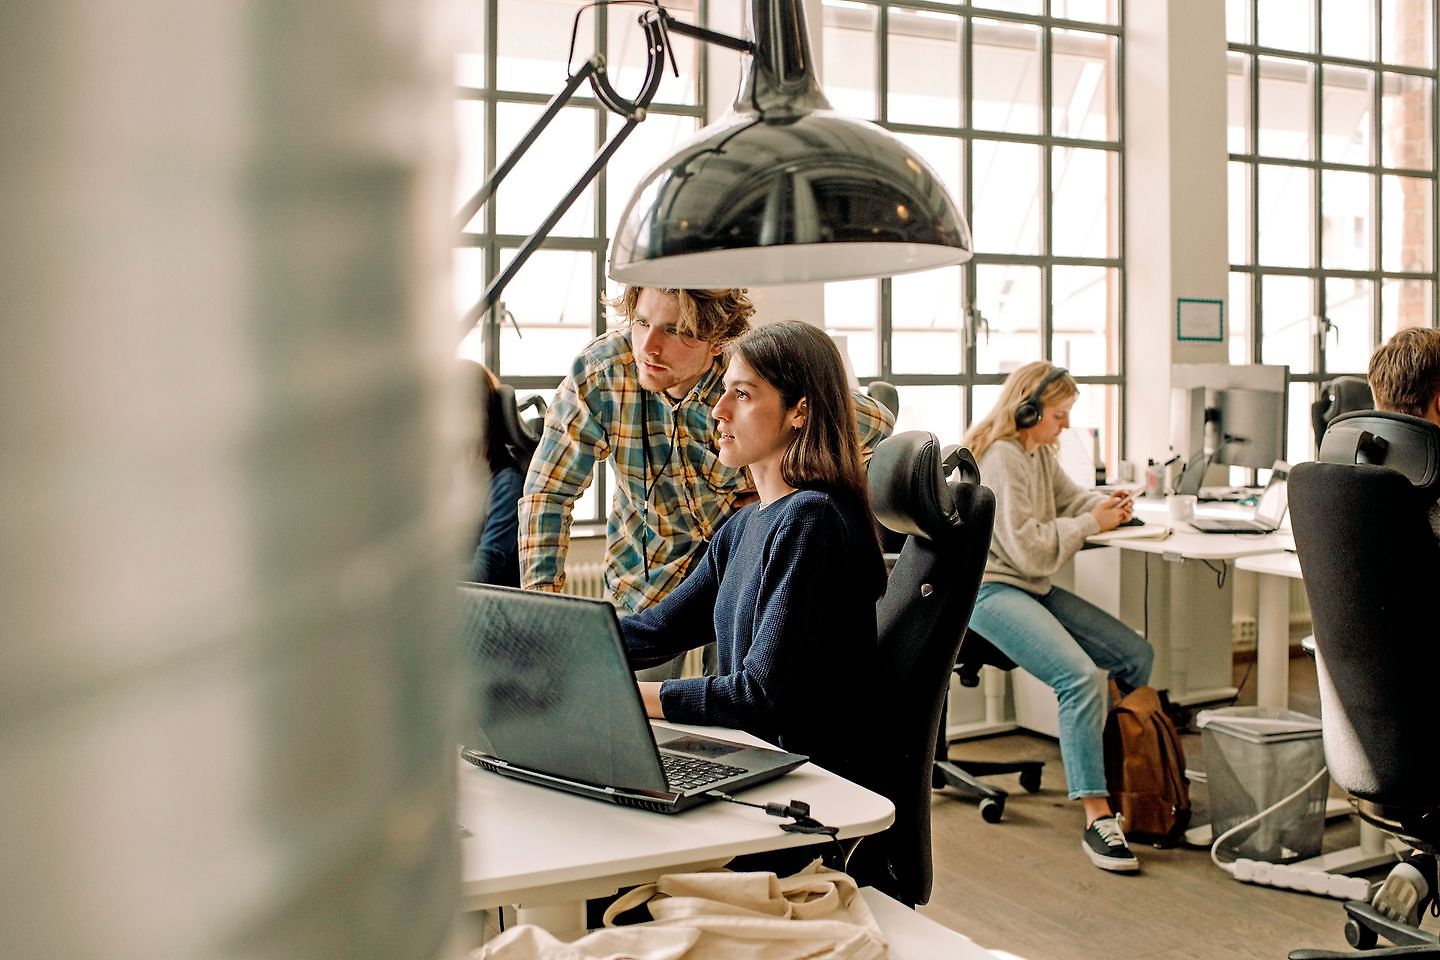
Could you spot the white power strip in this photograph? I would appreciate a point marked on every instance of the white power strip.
(1287, 877)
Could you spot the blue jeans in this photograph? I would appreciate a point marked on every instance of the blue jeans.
(1061, 639)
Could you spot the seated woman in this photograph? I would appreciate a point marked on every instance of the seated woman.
(497, 551)
(1041, 521)
(787, 588)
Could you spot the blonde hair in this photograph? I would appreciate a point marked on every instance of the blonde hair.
(715, 316)
(999, 423)
(1405, 372)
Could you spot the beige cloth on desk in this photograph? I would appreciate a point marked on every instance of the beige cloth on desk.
(815, 914)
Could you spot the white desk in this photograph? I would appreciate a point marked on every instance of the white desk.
(1189, 616)
(547, 852)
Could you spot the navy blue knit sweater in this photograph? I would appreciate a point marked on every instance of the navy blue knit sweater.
(788, 593)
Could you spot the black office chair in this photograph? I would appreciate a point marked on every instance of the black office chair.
(522, 433)
(964, 775)
(921, 618)
(1338, 397)
(1369, 558)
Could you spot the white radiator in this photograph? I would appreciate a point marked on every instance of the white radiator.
(585, 580)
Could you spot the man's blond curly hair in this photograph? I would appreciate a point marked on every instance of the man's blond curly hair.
(715, 316)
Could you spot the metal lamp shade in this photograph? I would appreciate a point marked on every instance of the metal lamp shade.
(820, 197)
(784, 190)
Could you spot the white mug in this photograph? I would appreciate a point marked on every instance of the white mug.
(1181, 507)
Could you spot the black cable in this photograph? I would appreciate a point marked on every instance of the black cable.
(1220, 574)
(1240, 687)
(1145, 600)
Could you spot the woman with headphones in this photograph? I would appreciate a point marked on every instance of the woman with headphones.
(1041, 520)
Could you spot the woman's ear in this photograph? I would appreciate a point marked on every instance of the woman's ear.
(798, 414)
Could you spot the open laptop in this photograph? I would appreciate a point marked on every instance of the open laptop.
(556, 704)
(1268, 512)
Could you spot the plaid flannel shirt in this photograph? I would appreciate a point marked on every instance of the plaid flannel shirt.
(664, 511)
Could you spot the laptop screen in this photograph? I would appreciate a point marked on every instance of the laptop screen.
(1271, 509)
(551, 688)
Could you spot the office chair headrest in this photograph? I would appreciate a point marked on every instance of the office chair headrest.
(1337, 397)
(885, 392)
(522, 435)
(909, 486)
(1408, 445)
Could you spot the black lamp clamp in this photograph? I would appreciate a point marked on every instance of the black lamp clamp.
(657, 24)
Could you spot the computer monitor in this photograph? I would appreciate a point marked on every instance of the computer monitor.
(1224, 414)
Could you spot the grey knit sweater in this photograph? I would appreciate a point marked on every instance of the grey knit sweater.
(1041, 517)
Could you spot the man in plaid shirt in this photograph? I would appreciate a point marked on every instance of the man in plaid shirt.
(640, 395)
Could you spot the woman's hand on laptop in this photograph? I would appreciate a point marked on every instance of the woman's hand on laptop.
(650, 696)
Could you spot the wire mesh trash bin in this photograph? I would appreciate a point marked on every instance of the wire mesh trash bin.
(1255, 757)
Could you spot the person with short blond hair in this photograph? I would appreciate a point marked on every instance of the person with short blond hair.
(1405, 374)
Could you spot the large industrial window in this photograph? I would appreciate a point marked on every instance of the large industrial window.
(1017, 105)
(1332, 205)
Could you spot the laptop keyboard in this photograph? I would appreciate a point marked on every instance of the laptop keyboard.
(689, 773)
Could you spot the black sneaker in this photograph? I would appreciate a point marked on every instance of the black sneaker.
(1104, 843)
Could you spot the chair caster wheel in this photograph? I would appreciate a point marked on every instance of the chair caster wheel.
(991, 811)
(1030, 780)
(1360, 936)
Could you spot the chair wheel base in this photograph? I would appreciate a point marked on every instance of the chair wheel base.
(992, 811)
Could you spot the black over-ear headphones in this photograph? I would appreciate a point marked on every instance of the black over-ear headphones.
(1030, 410)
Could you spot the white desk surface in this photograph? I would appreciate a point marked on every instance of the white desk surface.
(1187, 542)
(533, 846)
(1282, 564)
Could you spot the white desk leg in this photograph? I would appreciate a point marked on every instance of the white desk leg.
(1272, 643)
(558, 918)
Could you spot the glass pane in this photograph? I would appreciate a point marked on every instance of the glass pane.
(1346, 216)
(852, 311)
(1347, 28)
(1095, 418)
(939, 410)
(1237, 102)
(1285, 109)
(1013, 6)
(533, 37)
(1287, 310)
(943, 154)
(1403, 304)
(1083, 97)
(467, 21)
(925, 310)
(1006, 76)
(554, 302)
(1089, 11)
(1406, 121)
(469, 156)
(1285, 216)
(1082, 211)
(1237, 318)
(849, 50)
(1405, 212)
(628, 55)
(649, 143)
(1288, 25)
(1085, 315)
(468, 282)
(1007, 197)
(924, 51)
(1347, 98)
(547, 172)
(1406, 29)
(1237, 21)
(1008, 297)
(1349, 306)
(1238, 193)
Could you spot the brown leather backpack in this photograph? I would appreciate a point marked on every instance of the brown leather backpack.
(1145, 767)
